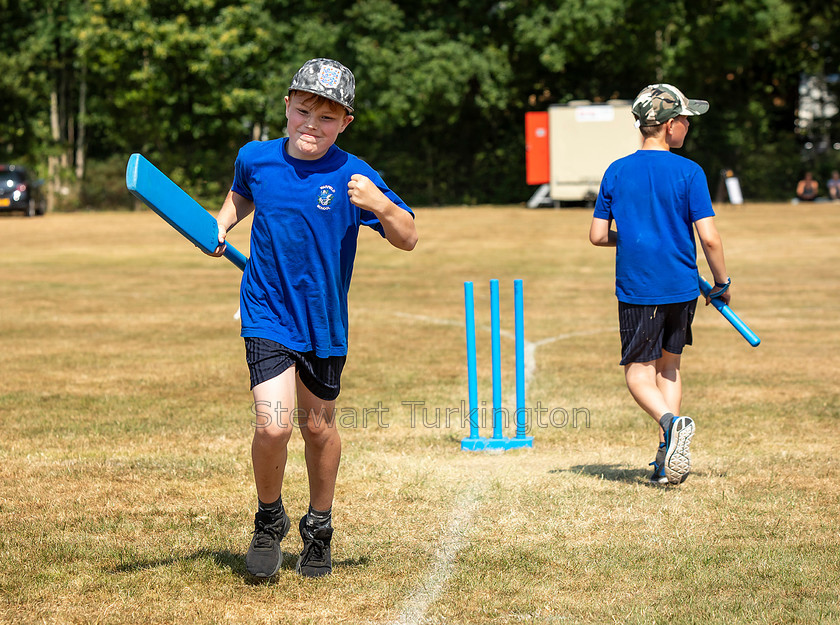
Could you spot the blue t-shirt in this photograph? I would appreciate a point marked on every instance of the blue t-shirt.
(655, 197)
(303, 244)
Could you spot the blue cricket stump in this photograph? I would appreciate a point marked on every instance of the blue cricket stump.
(497, 441)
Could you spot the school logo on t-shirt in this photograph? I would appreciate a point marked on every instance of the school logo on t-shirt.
(325, 197)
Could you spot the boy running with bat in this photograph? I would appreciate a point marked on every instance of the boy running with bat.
(309, 199)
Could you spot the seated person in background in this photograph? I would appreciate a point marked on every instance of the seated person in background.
(807, 188)
(833, 185)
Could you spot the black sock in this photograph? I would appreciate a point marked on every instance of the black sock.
(274, 509)
(316, 518)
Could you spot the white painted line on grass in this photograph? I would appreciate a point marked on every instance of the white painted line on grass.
(571, 335)
(433, 320)
(443, 561)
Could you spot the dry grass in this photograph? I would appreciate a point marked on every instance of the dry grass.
(125, 486)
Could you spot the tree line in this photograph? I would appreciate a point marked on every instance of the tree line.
(442, 85)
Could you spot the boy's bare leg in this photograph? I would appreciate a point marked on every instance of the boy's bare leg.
(274, 403)
(669, 383)
(316, 418)
(322, 446)
(643, 383)
(656, 387)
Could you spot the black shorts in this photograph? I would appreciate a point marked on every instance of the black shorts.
(648, 329)
(267, 359)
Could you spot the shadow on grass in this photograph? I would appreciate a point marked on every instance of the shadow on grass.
(234, 562)
(610, 472)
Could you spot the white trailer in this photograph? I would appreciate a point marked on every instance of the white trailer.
(584, 138)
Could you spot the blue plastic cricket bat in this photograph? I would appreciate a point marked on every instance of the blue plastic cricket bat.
(731, 317)
(150, 185)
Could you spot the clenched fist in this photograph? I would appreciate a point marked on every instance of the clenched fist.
(366, 195)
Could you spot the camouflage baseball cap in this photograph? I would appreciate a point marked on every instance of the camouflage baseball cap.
(327, 78)
(656, 104)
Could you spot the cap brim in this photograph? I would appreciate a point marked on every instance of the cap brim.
(696, 107)
(313, 92)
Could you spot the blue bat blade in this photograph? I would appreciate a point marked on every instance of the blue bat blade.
(148, 184)
(730, 316)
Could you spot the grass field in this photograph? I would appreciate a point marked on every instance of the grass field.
(126, 493)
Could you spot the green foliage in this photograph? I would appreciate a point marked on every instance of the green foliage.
(442, 87)
(105, 184)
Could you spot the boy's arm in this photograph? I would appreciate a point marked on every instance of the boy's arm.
(713, 249)
(234, 209)
(398, 224)
(600, 233)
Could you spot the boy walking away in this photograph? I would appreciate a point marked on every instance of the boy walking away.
(309, 200)
(657, 199)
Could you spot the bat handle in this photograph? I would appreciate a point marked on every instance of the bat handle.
(704, 286)
(235, 256)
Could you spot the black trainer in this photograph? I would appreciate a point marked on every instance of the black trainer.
(264, 555)
(316, 558)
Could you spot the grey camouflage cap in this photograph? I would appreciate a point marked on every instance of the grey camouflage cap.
(656, 104)
(327, 78)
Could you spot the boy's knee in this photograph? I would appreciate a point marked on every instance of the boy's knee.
(318, 430)
(273, 434)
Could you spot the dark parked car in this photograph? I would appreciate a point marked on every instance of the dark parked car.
(18, 192)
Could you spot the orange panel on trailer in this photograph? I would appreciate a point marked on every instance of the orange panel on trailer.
(537, 168)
